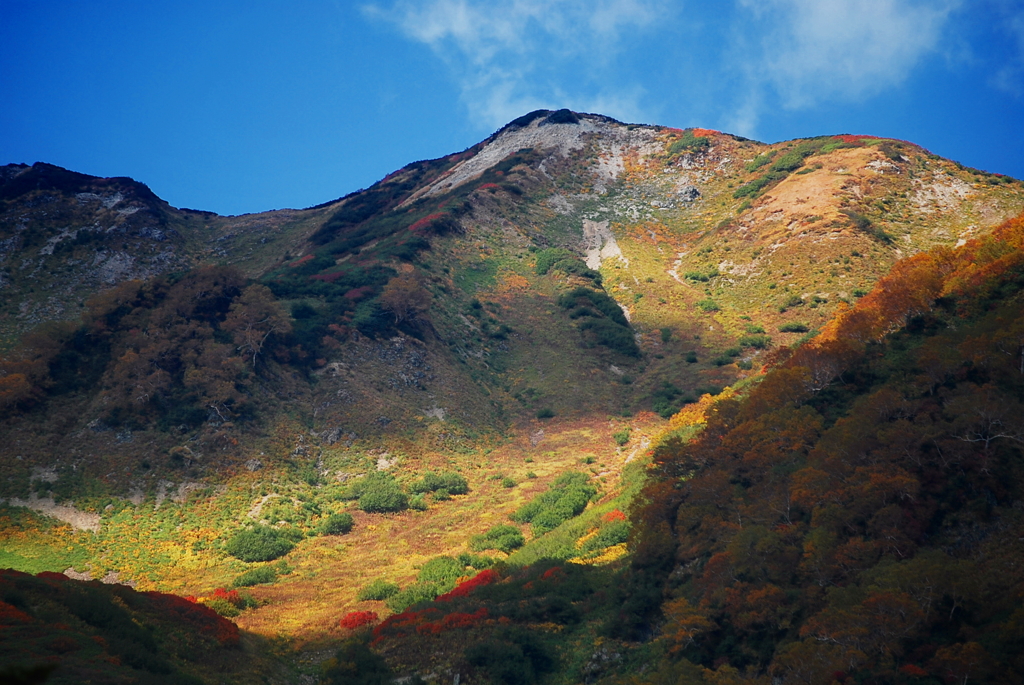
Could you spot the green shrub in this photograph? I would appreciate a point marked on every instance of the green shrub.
(378, 590)
(223, 607)
(757, 341)
(442, 572)
(418, 503)
(622, 437)
(567, 497)
(598, 300)
(857, 219)
(503, 538)
(668, 399)
(476, 561)
(793, 328)
(612, 533)
(613, 336)
(691, 357)
(707, 306)
(689, 143)
(757, 185)
(257, 576)
(577, 267)
(414, 594)
(259, 543)
(666, 334)
(380, 493)
(454, 483)
(760, 161)
(545, 413)
(356, 664)
(745, 364)
(507, 482)
(701, 276)
(753, 328)
(338, 524)
(518, 657)
(549, 257)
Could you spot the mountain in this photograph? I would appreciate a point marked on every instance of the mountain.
(451, 344)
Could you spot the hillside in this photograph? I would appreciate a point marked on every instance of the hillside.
(432, 355)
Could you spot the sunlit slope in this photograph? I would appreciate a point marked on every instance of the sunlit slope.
(497, 313)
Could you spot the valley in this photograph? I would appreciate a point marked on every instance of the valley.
(573, 295)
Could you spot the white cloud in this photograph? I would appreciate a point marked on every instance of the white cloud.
(512, 56)
(813, 51)
(1010, 76)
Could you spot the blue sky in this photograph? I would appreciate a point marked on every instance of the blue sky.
(246, 106)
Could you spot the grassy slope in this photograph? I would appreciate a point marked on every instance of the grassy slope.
(792, 237)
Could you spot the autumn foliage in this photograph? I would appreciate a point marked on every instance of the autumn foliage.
(463, 589)
(855, 513)
(358, 619)
(109, 633)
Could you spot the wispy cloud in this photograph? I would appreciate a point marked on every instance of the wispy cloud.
(1009, 77)
(811, 51)
(513, 56)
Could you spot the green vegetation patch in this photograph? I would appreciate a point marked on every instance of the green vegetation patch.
(338, 524)
(504, 538)
(263, 575)
(567, 497)
(453, 483)
(443, 572)
(377, 493)
(414, 594)
(602, 320)
(758, 341)
(786, 164)
(258, 543)
(689, 143)
(378, 590)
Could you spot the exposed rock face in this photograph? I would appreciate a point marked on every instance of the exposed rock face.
(81, 520)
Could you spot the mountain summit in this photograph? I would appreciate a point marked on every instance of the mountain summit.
(483, 353)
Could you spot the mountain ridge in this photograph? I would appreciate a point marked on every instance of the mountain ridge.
(507, 314)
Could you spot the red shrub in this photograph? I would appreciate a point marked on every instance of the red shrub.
(9, 615)
(914, 671)
(458, 619)
(613, 515)
(854, 140)
(425, 223)
(553, 573)
(358, 293)
(327, 278)
(703, 132)
(358, 619)
(227, 595)
(463, 589)
(391, 626)
(303, 260)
